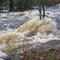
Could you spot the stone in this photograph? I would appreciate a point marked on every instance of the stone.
(2, 54)
(1, 59)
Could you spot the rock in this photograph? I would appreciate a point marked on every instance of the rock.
(53, 44)
(1, 59)
(8, 58)
(2, 54)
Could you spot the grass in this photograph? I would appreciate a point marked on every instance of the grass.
(35, 55)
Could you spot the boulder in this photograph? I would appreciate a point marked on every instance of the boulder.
(2, 55)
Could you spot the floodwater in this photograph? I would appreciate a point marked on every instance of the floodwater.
(12, 20)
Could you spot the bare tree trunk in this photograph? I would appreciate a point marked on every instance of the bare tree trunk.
(41, 9)
(1, 6)
(11, 7)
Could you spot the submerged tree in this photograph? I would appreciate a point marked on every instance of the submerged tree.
(11, 7)
(1, 5)
(41, 9)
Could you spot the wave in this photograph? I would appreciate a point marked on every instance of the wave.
(29, 34)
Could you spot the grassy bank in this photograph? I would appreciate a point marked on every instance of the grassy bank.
(52, 54)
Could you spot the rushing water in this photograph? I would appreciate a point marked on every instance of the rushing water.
(10, 21)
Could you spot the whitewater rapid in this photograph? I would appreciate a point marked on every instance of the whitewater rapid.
(9, 22)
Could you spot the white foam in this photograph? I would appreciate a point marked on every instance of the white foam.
(2, 54)
(44, 38)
